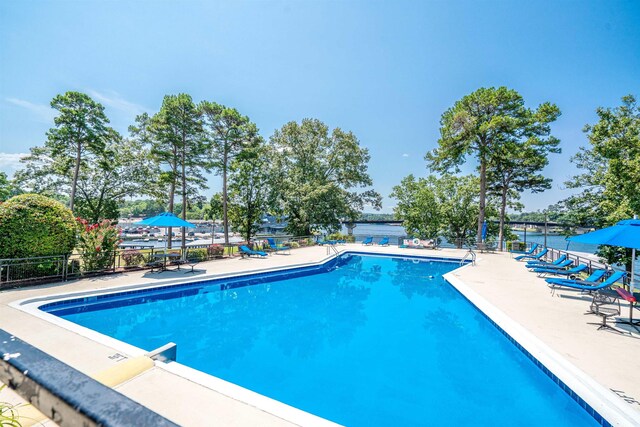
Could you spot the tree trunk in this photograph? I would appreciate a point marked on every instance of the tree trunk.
(76, 172)
(503, 208)
(483, 197)
(225, 220)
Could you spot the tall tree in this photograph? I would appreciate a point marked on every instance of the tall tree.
(611, 174)
(179, 146)
(80, 130)
(249, 187)
(229, 133)
(317, 175)
(435, 207)
(515, 165)
(8, 188)
(418, 207)
(478, 125)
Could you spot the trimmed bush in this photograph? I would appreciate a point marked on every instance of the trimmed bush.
(215, 250)
(197, 254)
(132, 258)
(32, 225)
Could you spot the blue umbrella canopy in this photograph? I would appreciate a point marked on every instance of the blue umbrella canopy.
(484, 230)
(166, 219)
(625, 233)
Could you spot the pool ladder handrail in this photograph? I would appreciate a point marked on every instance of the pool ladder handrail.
(471, 254)
(332, 247)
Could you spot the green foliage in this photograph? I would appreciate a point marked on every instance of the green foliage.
(97, 244)
(433, 207)
(132, 257)
(214, 210)
(368, 216)
(230, 134)
(215, 250)
(199, 254)
(489, 123)
(418, 207)
(32, 225)
(79, 137)
(179, 145)
(9, 414)
(611, 176)
(8, 188)
(140, 208)
(340, 236)
(315, 174)
(249, 190)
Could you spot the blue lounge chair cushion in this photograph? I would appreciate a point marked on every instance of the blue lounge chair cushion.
(592, 280)
(563, 265)
(367, 241)
(384, 242)
(537, 256)
(245, 249)
(538, 263)
(607, 283)
(571, 272)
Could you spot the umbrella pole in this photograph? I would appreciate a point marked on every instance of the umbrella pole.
(633, 268)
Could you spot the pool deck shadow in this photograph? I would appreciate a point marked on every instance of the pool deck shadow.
(558, 321)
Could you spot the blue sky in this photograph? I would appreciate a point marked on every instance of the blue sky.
(385, 70)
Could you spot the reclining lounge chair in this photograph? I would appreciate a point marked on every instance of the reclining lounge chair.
(586, 285)
(546, 263)
(572, 273)
(245, 251)
(538, 256)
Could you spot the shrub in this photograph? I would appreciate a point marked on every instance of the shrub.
(198, 254)
(294, 245)
(215, 250)
(97, 244)
(339, 236)
(132, 258)
(32, 225)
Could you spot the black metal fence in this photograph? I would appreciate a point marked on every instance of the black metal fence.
(23, 271)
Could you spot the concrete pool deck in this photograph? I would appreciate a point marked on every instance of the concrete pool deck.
(558, 321)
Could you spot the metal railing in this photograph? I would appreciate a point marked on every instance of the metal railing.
(37, 270)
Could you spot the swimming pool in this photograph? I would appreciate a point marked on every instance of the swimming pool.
(363, 340)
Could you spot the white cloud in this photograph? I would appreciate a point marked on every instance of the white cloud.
(117, 102)
(405, 155)
(44, 113)
(10, 162)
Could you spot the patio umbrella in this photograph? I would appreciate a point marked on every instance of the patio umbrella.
(484, 230)
(166, 220)
(625, 233)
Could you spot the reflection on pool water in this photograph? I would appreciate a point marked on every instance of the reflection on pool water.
(370, 341)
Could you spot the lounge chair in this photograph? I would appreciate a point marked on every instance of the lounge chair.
(277, 247)
(384, 242)
(538, 256)
(589, 285)
(244, 250)
(367, 241)
(529, 252)
(546, 263)
(572, 273)
(561, 266)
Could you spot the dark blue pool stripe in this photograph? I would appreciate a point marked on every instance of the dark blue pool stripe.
(141, 296)
(579, 400)
(138, 296)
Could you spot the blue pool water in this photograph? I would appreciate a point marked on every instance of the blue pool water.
(373, 341)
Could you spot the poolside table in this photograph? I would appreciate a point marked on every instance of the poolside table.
(165, 257)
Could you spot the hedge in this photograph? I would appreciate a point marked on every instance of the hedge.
(32, 225)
